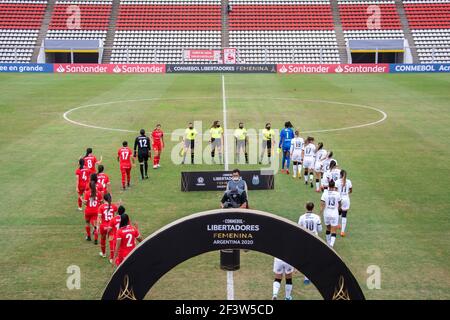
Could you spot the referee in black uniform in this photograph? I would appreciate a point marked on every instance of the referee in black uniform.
(142, 144)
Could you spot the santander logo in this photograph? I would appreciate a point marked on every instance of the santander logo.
(60, 69)
(338, 69)
(117, 69)
(283, 69)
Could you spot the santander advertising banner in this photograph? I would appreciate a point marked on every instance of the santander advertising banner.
(290, 68)
(108, 68)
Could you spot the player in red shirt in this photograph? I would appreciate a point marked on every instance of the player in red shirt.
(82, 182)
(158, 145)
(92, 200)
(103, 183)
(106, 213)
(90, 160)
(114, 225)
(126, 238)
(124, 156)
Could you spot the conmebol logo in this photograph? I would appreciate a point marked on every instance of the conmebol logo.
(60, 69)
(117, 69)
(283, 69)
(338, 69)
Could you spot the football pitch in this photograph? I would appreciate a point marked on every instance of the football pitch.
(399, 219)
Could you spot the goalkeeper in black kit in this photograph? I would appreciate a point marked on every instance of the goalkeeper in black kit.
(142, 150)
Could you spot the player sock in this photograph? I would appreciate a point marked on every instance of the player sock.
(80, 202)
(294, 169)
(111, 249)
(333, 239)
(103, 245)
(192, 157)
(305, 176)
(344, 221)
(276, 287)
(145, 168)
(317, 184)
(283, 160)
(328, 236)
(95, 234)
(141, 168)
(288, 290)
(246, 158)
(88, 231)
(288, 164)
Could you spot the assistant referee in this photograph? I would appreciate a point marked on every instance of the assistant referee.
(189, 142)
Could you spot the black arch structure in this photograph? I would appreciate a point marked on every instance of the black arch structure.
(232, 229)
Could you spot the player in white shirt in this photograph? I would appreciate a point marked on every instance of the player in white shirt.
(330, 205)
(326, 162)
(279, 268)
(308, 159)
(311, 222)
(321, 155)
(333, 173)
(296, 153)
(345, 188)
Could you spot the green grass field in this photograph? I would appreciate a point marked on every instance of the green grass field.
(399, 218)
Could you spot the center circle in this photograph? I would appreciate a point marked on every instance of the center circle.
(237, 100)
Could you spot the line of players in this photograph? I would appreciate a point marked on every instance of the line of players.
(108, 219)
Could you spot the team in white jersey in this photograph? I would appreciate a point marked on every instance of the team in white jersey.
(312, 223)
(296, 153)
(309, 157)
(321, 156)
(345, 188)
(330, 204)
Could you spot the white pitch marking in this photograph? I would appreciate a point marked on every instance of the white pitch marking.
(225, 136)
(384, 114)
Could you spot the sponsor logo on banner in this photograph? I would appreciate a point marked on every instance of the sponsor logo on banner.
(221, 68)
(202, 54)
(109, 68)
(26, 67)
(229, 55)
(289, 68)
(406, 68)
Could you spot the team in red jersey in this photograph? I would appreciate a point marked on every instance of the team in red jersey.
(126, 238)
(158, 145)
(83, 176)
(90, 161)
(92, 199)
(103, 183)
(106, 213)
(125, 158)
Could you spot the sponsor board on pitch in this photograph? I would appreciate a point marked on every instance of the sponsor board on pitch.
(408, 68)
(109, 68)
(221, 68)
(26, 67)
(290, 68)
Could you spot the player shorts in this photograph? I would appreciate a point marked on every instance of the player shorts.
(240, 145)
(318, 166)
(324, 182)
(266, 144)
(331, 217)
(286, 149)
(91, 217)
(308, 163)
(345, 203)
(104, 229)
(297, 156)
(81, 189)
(157, 146)
(281, 267)
(189, 144)
(142, 156)
(216, 143)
